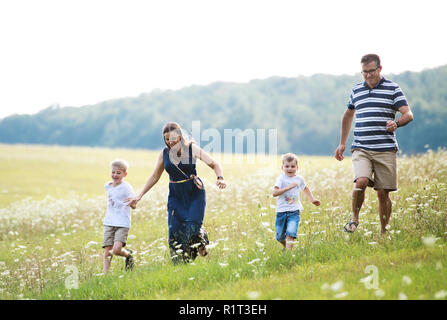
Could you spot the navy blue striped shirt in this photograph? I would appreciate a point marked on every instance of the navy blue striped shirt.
(373, 108)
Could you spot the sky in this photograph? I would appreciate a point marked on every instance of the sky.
(75, 53)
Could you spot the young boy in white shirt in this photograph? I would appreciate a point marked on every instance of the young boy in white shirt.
(117, 218)
(287, 188)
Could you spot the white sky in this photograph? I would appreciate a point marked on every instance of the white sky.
(75, 53)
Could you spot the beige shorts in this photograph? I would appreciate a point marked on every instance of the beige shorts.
(112, 234)
(379, 167)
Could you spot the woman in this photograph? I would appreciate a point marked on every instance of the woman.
(187, 199)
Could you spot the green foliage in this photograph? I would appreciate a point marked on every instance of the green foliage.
(306, 111)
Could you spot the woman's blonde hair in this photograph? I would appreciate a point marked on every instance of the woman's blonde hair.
(120, 163)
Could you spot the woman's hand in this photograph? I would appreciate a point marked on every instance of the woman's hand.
(132, 202)
(316, 202)
(221, 183)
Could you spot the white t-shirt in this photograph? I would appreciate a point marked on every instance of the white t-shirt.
(289, 200)
(118, 212)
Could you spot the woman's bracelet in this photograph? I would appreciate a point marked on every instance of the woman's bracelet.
(220, 178)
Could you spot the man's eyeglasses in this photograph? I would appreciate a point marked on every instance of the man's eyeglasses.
(366, 72)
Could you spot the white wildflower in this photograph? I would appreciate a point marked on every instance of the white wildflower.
(379, 293)
(402, 296)
(253, 261)
(441, 294)
(5, 273)
(341, 295)
(91, 243)
(211, 245)
(406, 280)
(265, 224)
(252, 295)
(337, 286)
(429, 241)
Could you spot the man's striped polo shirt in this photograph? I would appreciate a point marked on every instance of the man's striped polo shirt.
(373, 108)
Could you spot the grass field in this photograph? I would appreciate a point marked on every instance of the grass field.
(52, 204)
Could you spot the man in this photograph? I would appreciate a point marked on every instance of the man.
(375, 103)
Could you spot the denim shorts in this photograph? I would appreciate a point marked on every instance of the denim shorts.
(287, 224)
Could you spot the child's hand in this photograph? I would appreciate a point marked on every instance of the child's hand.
(316, 202)
(292, 185)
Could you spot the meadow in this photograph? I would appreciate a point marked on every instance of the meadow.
(52, 204)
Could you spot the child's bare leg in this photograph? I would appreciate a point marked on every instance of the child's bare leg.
(289, 242)
(118, 249)
(107, 258)
(283, 242)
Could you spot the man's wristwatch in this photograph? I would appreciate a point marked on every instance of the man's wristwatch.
(220, 178)
(397, 123)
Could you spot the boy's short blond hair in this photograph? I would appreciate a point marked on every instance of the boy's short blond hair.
(120, 163)
(289, 157)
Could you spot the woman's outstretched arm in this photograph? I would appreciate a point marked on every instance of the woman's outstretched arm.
(198, 153)
(153, 179)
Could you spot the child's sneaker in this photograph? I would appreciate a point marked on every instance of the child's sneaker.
(129, 261)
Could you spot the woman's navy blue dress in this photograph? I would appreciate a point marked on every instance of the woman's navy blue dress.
(186, 204)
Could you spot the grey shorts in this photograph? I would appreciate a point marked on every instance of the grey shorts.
(112, 234)
(379, 167)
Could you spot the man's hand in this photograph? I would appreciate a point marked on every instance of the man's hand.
(391, 126)
(339, 152)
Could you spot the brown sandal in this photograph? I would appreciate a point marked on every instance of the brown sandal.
(349, 224)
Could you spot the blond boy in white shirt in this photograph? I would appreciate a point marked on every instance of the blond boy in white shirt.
(118, 216)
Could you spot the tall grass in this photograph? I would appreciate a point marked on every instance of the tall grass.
(55, 223)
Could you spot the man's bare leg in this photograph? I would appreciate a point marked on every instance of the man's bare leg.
(385, 208)
(358, 196)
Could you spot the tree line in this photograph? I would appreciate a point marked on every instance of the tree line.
(305, 111)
